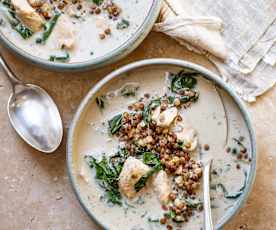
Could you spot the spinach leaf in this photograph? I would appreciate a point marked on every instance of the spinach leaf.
(232, 195)
(170, 215)
(147, 110)
(119, 159)
(150, 159)
(193, 203)
(171, 99)
(64, 58)
(114, 196)
(24, 31)
(183, 80)
(115, 123)
(129, 90)
(187, 98)
(98, 2)
(108, 178)
(101, 100)
(228, 195)
(48, 28)
(123, 24)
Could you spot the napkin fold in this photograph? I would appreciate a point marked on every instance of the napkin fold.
(244, 52)
(200, 34)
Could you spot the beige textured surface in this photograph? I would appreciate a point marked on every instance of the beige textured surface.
(34, 189)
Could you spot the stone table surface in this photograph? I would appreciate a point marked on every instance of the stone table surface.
(35, 192)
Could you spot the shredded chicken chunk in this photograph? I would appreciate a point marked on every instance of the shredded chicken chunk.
(162, 186)
(165, 118)
(132, 171)
(65, 33)
(28, 15)
(186, 134)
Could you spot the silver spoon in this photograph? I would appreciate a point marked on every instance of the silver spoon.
(33, 114)
(208, 224)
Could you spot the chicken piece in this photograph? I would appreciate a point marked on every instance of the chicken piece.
(162, 186)
(64, 32)
(28, 15)
(165, 118)
(132, 171)
(186, 134)
(72, 11)
(47, 10)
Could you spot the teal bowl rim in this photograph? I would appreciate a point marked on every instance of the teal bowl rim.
(128, 46)
(175, 62)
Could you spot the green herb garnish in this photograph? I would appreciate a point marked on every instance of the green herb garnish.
(108, 178)
(63, 58)
(123, 24)
(228, 195)
(24, 31)
(115, 123)
(193, 203)
(98, 2)
(48, 28)
(183, 80)
(153, 220)
(119, 159)
(171, 99)
(234, 151)
(150, 159)
(170, 215)
(101, 100)
(186, 98)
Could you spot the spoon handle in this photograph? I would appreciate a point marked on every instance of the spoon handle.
(208, 224)
(11, 76)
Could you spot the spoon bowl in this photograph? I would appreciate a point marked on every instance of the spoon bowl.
(35, 117)
(33, 114)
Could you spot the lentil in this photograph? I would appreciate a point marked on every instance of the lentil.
(206, 147)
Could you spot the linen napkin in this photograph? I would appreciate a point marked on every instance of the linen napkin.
(239, 37)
